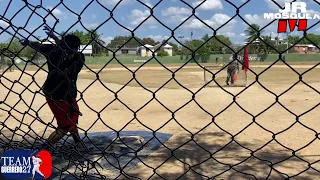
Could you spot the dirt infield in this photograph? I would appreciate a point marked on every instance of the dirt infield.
(211, 117)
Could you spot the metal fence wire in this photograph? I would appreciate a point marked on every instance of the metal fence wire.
(85, 168)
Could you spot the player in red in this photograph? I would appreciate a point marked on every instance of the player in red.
(60, 88)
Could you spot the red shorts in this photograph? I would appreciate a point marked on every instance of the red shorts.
(62, 112)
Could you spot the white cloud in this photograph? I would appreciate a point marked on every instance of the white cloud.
(107, 40)
(274, 6)
(158, 37)
(215, 22)
(148, 3)
(208, 4)
(3, 24)
(228, 34)
(124, 2)
(242, 34)
(90, 25)
(175, 11)
(274, 34)
(138, 16)
(259, 20)
(177, 19)
(153, 27)
(55, 11)
(313, 11)
(114, 2)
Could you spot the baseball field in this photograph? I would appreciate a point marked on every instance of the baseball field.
(227, 132)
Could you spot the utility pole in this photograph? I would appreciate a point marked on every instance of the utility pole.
(191, 34)
(287, 42)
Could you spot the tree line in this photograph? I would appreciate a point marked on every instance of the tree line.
(208, 44)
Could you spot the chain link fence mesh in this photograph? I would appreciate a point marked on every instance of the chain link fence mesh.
(195, 152)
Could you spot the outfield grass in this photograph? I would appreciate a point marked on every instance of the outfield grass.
(294, 57)
(100, 62)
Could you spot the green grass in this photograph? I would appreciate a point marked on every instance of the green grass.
(99, 62)
(295, 57)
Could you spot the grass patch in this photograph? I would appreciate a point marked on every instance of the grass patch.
(100, 66)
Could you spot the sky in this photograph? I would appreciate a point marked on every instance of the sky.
(118, 19)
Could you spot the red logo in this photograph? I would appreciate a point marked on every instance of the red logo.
(46, 163)
(282, 25)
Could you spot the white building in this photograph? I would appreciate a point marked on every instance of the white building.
(146, 50)
(166, 48)
(86, 49)
(279, 40)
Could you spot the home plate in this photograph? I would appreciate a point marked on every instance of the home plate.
(104, 154)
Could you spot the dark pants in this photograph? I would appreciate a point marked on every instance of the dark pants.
(231, 72)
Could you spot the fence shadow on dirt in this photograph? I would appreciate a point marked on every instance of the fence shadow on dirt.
(221, 161)
(211, 155)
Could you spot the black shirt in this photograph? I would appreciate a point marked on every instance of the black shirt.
(61, 82)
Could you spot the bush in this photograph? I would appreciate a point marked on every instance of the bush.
(162, 53)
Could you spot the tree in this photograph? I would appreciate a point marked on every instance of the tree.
(217, 43)
(199, 48)
(128, 41)
(162, 53)
(175, 48)
(267, 45)
(90, 38)
(31, 53)
(252, 32)
(148, 41)
(311, 39)
(14, 46)
(294, 39)
(3, 45)
(96, 41)
(84, 37)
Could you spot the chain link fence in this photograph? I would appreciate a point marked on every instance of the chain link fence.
(218, 134)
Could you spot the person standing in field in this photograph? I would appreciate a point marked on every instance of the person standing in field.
(60, 88)
(232, 69)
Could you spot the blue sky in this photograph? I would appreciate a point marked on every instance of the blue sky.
(130, 13)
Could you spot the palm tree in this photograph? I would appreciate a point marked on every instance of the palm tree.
(252, 34)
(97, 43)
